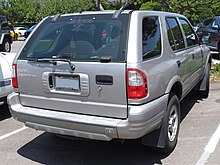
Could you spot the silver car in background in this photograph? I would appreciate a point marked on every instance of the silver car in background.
(109, 75)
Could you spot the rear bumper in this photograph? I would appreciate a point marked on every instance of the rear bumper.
(5, 90)
(141, 120)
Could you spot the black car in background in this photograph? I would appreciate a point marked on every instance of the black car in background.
(209, 33)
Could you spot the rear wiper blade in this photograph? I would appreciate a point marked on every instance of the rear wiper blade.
(42, 60)
(54, 61)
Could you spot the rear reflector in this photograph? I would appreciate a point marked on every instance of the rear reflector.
(14, 76)
(137, 84)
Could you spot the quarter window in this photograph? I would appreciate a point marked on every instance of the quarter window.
(174, 34)
(151, 37)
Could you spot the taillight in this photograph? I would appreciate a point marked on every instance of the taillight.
(14, 76)
(137, 84)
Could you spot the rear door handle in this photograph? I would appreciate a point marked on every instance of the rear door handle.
(104, 80)
(178, 63)
(193, 56)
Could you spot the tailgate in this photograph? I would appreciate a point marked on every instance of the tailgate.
(92, 88)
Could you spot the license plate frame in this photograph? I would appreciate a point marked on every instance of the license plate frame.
(67, 83)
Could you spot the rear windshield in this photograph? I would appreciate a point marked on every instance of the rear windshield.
(79, 38)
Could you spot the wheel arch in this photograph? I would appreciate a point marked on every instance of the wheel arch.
(175, 86)
(6, 36)
(157, 137)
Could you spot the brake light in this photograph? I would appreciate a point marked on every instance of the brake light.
(14, 76)
(136, 84)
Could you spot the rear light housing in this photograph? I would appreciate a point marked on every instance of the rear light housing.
(136, 84)
(14, 76)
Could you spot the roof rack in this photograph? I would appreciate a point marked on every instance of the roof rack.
(118, 12)
(55, 17)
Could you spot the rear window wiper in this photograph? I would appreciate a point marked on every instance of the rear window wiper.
(47, 60)
(54, 61)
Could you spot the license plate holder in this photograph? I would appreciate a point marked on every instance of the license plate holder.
(67, 83)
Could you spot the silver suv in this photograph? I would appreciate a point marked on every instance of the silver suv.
(109, 75)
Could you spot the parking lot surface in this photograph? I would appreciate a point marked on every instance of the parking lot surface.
(198, 140)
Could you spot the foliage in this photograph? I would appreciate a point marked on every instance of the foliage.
(217, 68)
(195, 10)
(151, 6)
(34, 10)
(215, 72)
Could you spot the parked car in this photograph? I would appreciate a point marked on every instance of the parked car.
(110, 75)
(28, 31)
(5, 37)
(6, 60)
(20, 31)
(209, 32)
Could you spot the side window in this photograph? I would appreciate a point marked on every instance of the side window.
(170, 37)
(174, 34)
(151, 37)
(208, 22)
(191, 37)
(214, 23)
(4, 26)
(23, 29)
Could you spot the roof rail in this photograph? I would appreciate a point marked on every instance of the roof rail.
(55, 17)
(118, 12)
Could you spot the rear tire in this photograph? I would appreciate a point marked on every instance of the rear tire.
(6, 45)
(172, 122)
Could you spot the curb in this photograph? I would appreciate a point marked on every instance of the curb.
(215, 85)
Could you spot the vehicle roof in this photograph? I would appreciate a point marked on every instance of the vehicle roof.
(19, 27)
(217, 16)
(161, 13)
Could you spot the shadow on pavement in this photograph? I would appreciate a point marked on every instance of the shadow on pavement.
(187, 104)
(4, 112)
(49, 149)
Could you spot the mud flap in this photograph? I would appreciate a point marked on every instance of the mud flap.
(204, 80)
(156, 138)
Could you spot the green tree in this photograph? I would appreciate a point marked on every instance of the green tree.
(194, 10)
(152, 5)
(34, 10)
(51, 7)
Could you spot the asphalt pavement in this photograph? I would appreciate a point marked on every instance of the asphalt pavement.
(198, 142)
